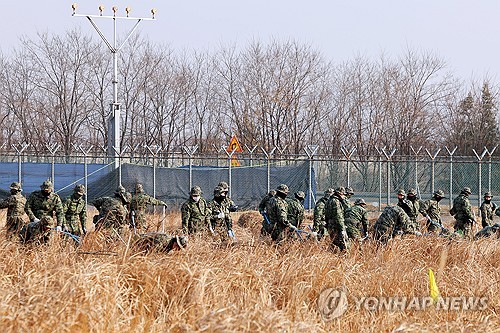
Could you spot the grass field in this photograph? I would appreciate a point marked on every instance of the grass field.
(250, 286)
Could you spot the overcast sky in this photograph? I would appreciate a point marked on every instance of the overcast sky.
(464, 33)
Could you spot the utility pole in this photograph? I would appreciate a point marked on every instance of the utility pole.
(114, 120)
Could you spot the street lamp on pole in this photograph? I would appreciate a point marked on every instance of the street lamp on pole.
(114, 119)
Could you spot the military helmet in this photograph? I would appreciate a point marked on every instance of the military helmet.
(488, 194)
(360, 202)
(120, 190)
(139, 188)
(349, 190)
(218, 190)
(438, 194)
(300, 195)
(466, 190)
(329, 192)
(282, 189)
(47, 185)
(401, 192)
(224, 185)
(196, 190)
(412, 192)
(340, 190)
(15, 186)
(80, 189)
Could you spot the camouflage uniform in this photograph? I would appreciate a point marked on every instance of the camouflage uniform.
(489, 231)
(158, 242)
(45, 203)
(487, 209)
(411, 206)
(349, 192)
(462, 211)
(75, 212)
(356, 220)
(296, 210)
(220, 219)
(278, 214)
(319, 222)
(15, 209)
(138, 205)
(112, 211)
(37, 232)
(393, 221)
(335, 224)
(195, 214)
(267, 228)
(227, 200)
(432, 211)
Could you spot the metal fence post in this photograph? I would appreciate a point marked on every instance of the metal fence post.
(53, 148)
(190, 150)
(479, 180)
(154, 150)
(379, 178)
(19, 151)
(348, 155)
(311, 151)
(416, 167)
(85, 153)
(251, 153)
(489, 165)
(388, 156)
(433, 163)
(230, 164)
(268, 157)
(451, 152)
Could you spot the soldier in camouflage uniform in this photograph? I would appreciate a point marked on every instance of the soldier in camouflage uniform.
(263, 209)
(432, 212)
(195, 213)
(278, 214)
(489, 231)
(112, 211)
(220, 219)
(138, 206)
(75, 212)
(45, 203)
(37, 232)
(356, 220)
(319, 222)
(411, 206)
(296, 209)
(488, 210)
(335, 223)
(158, 242)
(15, 210)
(227, 201)
(462, 211)
(392, 222)
(349, 192)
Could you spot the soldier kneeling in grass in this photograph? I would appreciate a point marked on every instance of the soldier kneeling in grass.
(159, 242)
(489, 231)
(37, 232)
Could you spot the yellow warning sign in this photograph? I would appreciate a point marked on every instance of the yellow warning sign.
(234, 145)
(235, 162)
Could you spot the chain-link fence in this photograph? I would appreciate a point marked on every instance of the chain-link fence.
(250, 175)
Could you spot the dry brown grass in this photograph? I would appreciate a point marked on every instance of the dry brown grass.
(251, 286)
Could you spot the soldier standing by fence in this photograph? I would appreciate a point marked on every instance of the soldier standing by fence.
(195, 213)
(45, 203)
(319, 222)
(335, 223)
(15, 209)
(462, 211)
(138, 206)
(487, 210)
(75, 212)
